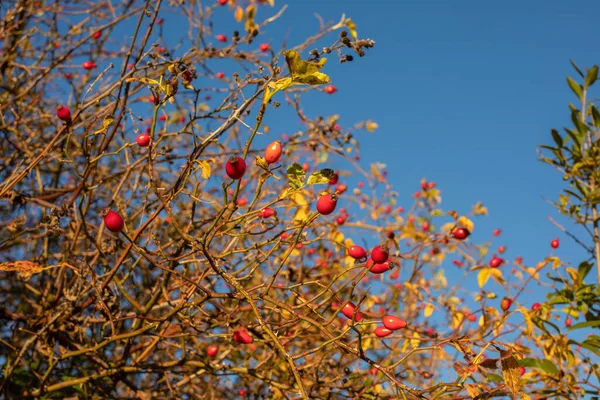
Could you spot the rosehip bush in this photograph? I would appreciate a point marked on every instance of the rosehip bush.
(254, 261)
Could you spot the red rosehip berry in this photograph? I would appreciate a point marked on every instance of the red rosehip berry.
(212, 350)
(495, 262)
(555, 243)
(382, 331)
(535, 306)
(505, 304)
(267, 212)
(235, 167)
(393, 323)
(221, 38)
(340, 220)
(522, 370)
(264, 47)
(220, 75)
(357, 252)
(63, 113)
(242, 336)
(223, 2)
(273, 152)
(348, 312)
(341, 188)
(89, 65)
(97, 34)
(330, 89)
(334, 179)
(113, 221)
(461, 233)
(378, 268)
(326, 203)
(568, 322)
(497, 232)
(143, 140)
(380, 254)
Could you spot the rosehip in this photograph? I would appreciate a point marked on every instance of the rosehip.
(357, 252)
(113, 221)
(555, 243)
(522, 370)
(568, 322)
(334, 179)
(497, 232)
(267, 213)
(393, 323)
(235, 167)
(89, 65)
(330, 89)
(341, 188)
(221, 38)
(143, 139)
(378, 268)
(212, 350)
(348, 311)
(380, 254)
(505, 304)
(242, 336)
(220, 75)
(495, 262)
(63, 113)
(382, 331)
(223, 2)
(461, 233)
(535, 306)
(326, 203)
(340, 220)
(273, 152)
(97, 34)
(264, 47)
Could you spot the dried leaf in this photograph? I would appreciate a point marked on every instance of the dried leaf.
(24, 269)
(511, 373)
(464, 371)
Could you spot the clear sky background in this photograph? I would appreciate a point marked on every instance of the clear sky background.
(464, 92)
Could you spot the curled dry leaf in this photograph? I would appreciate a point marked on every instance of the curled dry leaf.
(24, 269)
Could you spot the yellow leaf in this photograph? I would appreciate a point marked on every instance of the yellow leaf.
(238, 14)
(375, 167)
(473, 391)
(371, 126)
(352, 28)
(429, 308)
(532, 271)
(108, 120)
(497, 275)
(574, 274)
(511, 373)
(482, 320)
(301, 214)
(299, 199)
(205, 166)
(453, 214)
(465, 223)
(338, 238)
(483, 276)
(250, 25)
(147, 81)
(479, 209)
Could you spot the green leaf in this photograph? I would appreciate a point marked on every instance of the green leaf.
(582, 325)
(574, 136)
(591, 346)
(545, 365)
(583, 269)
(494, 378)
(575, 87)
(582, 128)
(595, 116)
(321, 176)
(557, 138)
(296, 175)
(592, 75)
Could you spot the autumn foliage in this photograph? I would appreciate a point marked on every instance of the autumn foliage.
(159, 240)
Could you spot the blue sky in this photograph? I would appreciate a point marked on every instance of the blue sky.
(463, 94)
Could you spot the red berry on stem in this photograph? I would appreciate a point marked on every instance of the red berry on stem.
(340, 220)
(568, 322)
(497, 232)
(242, 336)
(97, 34)
(222, 2)
(378, 268)
(461, 233)
(235, 167)
(505, 304)
(382, 331)
(393, 323)
(264, 47)
(143, 139)
(267, 212)
(555, 243)
(495, 262)
(273, 152)
(334, 179)
(380, 254)
(113, 221)
(330, 89)
(220, 75)
(63, 113)
(326, 203)
(341, 188)
(357, 252)
(536, 306)
(522, 370)
(221, 38)
(348, 312)
(212, 350)
(89, 65)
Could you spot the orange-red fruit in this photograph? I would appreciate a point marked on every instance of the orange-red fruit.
(326, 204)
(382, 331)
(568, 322)
(264, 47)
(340, 220)
(89, 65)
(461, 233)
(555, 243)
(273, 152)
(497, 232)
(505, 304)
(222, 2)
(221, 38)
(393, 323)
(378, 268)
(267, 212)
(334, 179)
(235, 167)
(341, 188)
(63, 113)
(212, 350)
(522, 370)
(242, 336)
(379, 254)
(97, 34)
(330, 89)
(348, 312)
(143, 139)
(357, 252)
(220, 75)
(536, 306)
(495, 262)
(113, 221)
